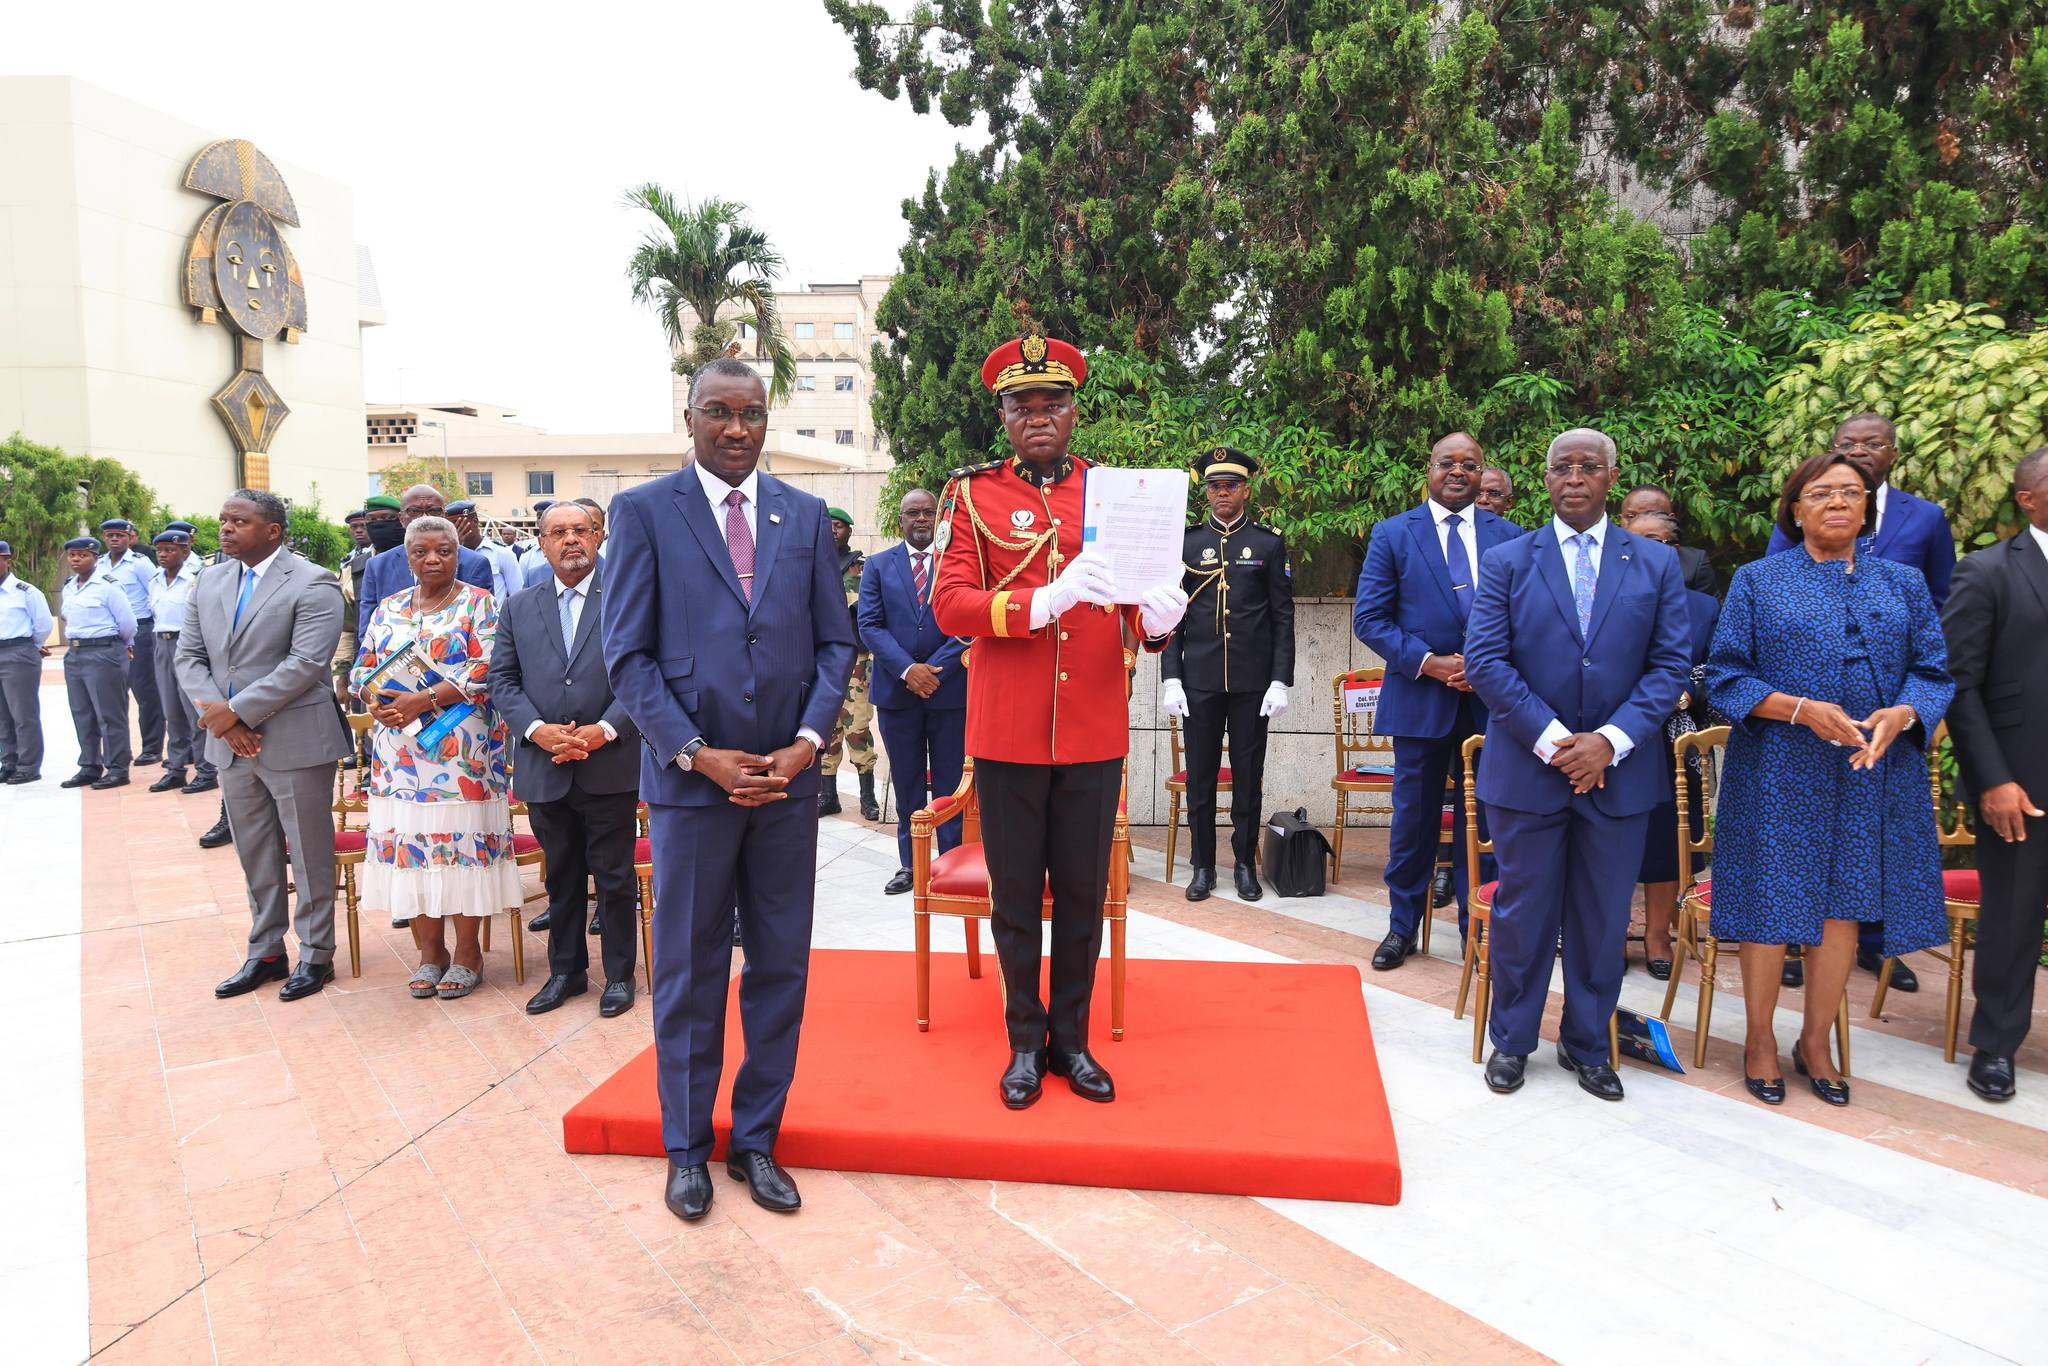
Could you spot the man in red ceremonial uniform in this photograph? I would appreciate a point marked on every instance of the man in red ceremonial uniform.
(1046, 724)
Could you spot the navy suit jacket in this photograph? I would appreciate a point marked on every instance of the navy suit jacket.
(1528, 662)
(1915, 532)
(388, 572)
(1405, 609)
(898, 630)
(532, 678)
(690, 657)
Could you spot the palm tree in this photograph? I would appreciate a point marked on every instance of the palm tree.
(702, 257)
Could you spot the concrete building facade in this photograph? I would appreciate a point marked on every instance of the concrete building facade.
(99, 353)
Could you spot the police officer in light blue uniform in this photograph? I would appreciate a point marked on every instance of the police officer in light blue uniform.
(99, 632)
(170, 598)
(131, 570)
(24, 628)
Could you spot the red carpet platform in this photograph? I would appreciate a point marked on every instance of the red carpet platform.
(1233, 1079)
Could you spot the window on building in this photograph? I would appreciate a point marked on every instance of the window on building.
(842, 384)
(540, 483)
(806, 384)
(805, 331)
(843, 437)
(747, 331)
(477, 485)
(842, 331)
(807, 431)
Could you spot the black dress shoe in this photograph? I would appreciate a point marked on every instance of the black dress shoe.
(1393, 951)
(556, 990)
(1660, 968)
(596, 924)
(306, 979)
(1504, 1071)
(539, 924)
(220, 834)
(173, 777)
(1248, 888)
(85, 777)
(113, 777)
(689, 1191)
(7, 774)
(1595, 1079)
(1201, 883)
(617, 999)
(1991, 1076)
(828, 798)
(1441, 891)
(1024, 1079)
(252, 975)
(1084, 1075)
(770, 1184)
(1903, 977)
(1794, 974)
(1769, 1092)
(205, 782)
(899, 882)
(1833, 1092)
(149, 756)
(18, 778)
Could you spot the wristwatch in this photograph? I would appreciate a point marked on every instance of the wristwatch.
(686, 757)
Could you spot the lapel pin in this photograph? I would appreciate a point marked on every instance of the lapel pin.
(776, 518)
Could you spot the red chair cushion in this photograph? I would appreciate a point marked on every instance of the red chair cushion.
(1483, 898)
(1375, 777)
(1703, 892)
(524, 844)
(963, 872)
(1222, 776)
(643, 851)
(1961, 884)
(1450, 820)
(351, 841)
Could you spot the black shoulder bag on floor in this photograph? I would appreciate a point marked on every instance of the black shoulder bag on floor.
(1295, 854)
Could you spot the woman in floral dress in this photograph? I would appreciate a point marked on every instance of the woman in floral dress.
(440, 828)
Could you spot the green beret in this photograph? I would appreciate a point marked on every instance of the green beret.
(382, 500)
(840, 515)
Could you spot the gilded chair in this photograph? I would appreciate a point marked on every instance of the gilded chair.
(1961, 893)
(956, 883)
(1479, 920)
(526, 853)
(1695, 929)
(351, 838)
(643, 873)
(1365, 761)
(1177, 787)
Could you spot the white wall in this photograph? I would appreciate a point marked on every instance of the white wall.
(98, 352)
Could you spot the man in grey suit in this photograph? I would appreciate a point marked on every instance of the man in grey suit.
(253, 657)
(578, 766)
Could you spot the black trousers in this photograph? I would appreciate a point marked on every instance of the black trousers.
(1209, 715)
(2015, 878)
(1045, 823)
(589, 835)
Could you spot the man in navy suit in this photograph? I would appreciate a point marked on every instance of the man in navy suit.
(1909, 530)
(1414, 596)
(918, 684)
(388, 572)
(1578, 647)
(729, 645)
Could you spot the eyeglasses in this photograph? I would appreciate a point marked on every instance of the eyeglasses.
(1849, 497)
(1581, 470)
(1228, 483)
(1846, 446)
(1445, 466)
(718, 415)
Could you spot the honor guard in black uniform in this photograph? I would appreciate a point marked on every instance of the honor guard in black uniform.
(1230, 665)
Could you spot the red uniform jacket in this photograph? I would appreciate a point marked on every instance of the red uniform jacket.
(1059, 695)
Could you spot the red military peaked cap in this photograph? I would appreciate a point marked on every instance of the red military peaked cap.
(1032, 361)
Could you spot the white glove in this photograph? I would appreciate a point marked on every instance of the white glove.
(1173, 698)
(1085, 579)
(1276, 701)
(1161, 609)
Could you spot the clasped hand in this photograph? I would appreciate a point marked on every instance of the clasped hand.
(399, 707)
(1869, 738)
(221, 723)
(569, 742)
(922, 679)
(1448, 670)
(755, 779)
(1583, 759)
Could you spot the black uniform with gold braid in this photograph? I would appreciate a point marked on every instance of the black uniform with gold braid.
(1236, 641)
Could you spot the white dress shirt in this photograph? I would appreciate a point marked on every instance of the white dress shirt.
(1555, 734)
(169, 597)
(1878, 524)
(579, 598)
(25, 612)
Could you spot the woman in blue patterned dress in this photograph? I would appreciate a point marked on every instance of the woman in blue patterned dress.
(440, 827)
(1831, 664)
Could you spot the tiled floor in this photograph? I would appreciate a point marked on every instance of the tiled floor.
(365, 1177)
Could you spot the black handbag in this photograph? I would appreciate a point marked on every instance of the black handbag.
(1295, 854)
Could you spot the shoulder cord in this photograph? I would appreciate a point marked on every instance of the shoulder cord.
(1203, 579)
(1046, 540)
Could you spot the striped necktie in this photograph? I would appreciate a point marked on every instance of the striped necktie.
(922, 578)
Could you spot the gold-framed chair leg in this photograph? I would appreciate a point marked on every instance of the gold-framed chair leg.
(1116, 980)
(1465, 969)
(1956, 935)
(484, 935)
(1614, 1041)
(973, 928)
(1681, 950)
(1705, 1019)
(1842, 1032)
(924, 970)
(1428, 915)
(355, 928)
(1884, 986)
(647, 931)
(1172, 831)
(1483, 999)
(518, 948)
(1337, 839)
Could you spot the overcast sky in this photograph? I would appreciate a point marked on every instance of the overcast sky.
(489, 154)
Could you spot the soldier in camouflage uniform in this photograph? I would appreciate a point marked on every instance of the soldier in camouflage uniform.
(857, 718)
